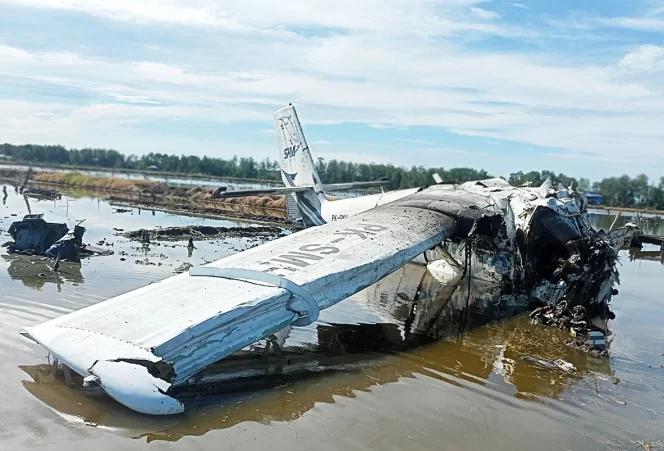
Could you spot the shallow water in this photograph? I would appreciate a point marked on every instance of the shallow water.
(405, 364)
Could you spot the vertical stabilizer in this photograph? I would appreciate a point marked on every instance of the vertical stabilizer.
(297, 165)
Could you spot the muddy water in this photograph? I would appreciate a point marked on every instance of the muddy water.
(405, 364)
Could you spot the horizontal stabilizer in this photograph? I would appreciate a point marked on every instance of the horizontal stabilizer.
(262, 192)
(354, 185)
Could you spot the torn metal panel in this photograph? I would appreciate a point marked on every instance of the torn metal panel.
(33, 235)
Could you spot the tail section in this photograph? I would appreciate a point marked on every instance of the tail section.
(297, 166)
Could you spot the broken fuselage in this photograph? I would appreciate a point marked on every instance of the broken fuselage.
(545, 247)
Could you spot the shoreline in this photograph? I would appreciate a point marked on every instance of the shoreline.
(160, 196)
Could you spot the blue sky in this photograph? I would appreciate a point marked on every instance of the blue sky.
(572, 86)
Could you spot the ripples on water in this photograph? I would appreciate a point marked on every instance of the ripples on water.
(407, 363)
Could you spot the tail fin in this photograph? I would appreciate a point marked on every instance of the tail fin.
(297, 166)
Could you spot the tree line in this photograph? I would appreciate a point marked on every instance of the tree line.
(623, 191)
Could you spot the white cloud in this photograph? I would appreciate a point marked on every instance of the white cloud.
(637, 23)
(133, 99)
(646, 58)
(483, 13)
(418, 17)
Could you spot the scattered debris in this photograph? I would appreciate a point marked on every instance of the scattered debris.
(48, 194)
(34, 236)
(587, 337)
(69, 246)
(191, 233)
(184, 267)
(587, 347)
(556, 364)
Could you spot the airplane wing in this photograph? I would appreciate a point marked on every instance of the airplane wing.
(140, 345)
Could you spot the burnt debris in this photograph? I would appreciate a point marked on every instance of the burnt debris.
(45, 194)
(586, 336)
(34, 236)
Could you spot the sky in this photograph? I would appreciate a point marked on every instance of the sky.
(571, 86)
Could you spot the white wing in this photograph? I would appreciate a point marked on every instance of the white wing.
(138, 344)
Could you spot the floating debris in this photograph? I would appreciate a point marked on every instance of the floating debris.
(48, 194)
(587, 337)
(34, 236)
(550, 365)
(587, 347)
(184, 267)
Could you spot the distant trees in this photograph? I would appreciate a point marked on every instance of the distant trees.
(333, 171)
(622, 191)
(632, 192)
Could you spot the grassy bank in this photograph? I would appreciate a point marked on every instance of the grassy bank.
(79, 180)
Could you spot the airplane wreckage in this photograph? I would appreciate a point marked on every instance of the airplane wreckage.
(142, 345)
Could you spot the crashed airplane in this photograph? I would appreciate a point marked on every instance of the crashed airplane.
(142, 345)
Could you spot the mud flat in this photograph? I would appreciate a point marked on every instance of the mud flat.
(200, 232)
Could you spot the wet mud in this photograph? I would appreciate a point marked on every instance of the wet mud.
(199, 232)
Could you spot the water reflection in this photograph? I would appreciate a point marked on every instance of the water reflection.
(408, 324)
(36, 272)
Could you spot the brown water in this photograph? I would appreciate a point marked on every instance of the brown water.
(405, 364)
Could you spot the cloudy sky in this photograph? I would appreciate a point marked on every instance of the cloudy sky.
(573, 86)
